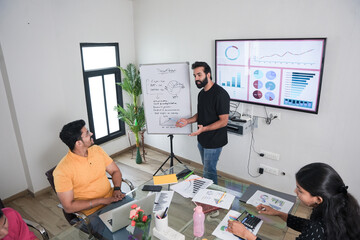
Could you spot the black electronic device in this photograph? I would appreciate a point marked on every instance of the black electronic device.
(238, 120)
(152, 188)
(183, 173)
(249, 220)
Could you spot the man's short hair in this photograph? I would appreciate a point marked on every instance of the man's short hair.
(71, 133)
(206, 67)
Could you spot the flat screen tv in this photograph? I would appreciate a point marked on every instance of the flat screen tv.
(282, 73)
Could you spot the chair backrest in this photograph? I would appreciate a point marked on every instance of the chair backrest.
(71, 218)
(50, 178)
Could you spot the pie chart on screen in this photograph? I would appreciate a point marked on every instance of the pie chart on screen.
(258, 74)
(271, 75)
(258, 84)
(270, 86)
(269, 96)
(257, 94)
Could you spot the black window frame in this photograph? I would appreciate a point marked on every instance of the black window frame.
(101, 72)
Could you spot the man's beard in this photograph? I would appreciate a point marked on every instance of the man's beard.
(201, 84)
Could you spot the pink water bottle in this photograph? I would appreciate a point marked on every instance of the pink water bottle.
(199, 218)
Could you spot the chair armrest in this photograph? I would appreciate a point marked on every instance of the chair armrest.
(86, 220)
(38, 227)
(131, 186)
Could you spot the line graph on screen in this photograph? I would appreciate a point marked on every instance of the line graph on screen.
(287, 57)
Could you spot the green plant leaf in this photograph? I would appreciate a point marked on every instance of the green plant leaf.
(134, 112)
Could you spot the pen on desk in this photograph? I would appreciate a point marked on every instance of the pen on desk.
(164, 215)
(188, 180)
(221, 198)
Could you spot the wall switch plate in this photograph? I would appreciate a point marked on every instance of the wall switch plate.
(270, 155)
(270, 170)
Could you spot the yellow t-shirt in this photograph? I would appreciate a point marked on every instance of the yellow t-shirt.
(86, 176)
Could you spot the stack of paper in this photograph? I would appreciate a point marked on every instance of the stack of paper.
(190, 187)
(273, 201)
(162, 200)
(214, 198)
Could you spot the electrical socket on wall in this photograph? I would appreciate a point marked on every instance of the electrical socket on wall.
(271, 170)
(270, 155)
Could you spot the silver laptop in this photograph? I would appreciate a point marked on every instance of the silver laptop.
(118, 218)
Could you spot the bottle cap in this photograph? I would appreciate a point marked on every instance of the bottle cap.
(198, 209)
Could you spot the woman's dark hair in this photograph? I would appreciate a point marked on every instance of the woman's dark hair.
(1, 213)
(71, 133)
(339, 211)
(206, 67)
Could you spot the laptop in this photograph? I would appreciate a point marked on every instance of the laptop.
(118, 218)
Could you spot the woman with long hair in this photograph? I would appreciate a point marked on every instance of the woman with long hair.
(335, 215)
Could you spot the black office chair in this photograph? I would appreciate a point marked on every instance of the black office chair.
(32, 225)
(72, 218)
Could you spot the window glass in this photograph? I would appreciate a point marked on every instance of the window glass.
(111, 102)
(98, 106)
(99, 57)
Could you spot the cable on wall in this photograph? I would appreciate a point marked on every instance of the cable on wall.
(252, 147)
(234, 113)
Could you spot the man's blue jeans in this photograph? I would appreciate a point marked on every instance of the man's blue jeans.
(209, 158)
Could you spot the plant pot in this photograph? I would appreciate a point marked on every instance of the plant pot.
(138, 156)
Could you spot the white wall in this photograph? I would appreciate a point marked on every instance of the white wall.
(177, 31)
(10, 160)
(40, 42)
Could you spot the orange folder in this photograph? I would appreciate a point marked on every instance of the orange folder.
(165, 179)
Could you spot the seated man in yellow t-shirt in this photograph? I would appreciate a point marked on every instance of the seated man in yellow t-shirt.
(80, 177)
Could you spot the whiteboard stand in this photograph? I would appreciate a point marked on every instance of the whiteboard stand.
(171, 156)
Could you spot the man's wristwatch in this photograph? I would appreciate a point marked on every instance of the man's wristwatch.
(117, 189)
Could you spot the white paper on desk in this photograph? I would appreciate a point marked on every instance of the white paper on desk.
(212, 197)
(268, 199)
(162, 200)
(220, 230)
(189, 187)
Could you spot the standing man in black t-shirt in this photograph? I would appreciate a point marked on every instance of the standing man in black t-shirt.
(212, 118)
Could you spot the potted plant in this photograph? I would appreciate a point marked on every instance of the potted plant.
(133, 115)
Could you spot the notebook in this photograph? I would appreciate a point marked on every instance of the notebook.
(165, 179)
(118, 218)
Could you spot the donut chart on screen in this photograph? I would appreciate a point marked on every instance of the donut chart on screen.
(232, 53)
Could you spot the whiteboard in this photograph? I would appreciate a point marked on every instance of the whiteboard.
(166, 91)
